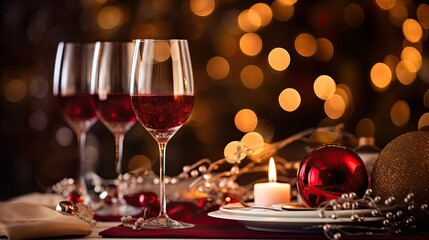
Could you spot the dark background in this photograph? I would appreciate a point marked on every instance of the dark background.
(31, 159)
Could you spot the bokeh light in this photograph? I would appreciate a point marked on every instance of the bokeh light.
(426, 98)
(234, 152)
(250, 44)
(289, 99)
(365, 128)
(406, 72)
(423, 122)
(386, 4)
(249, 20)
(354, 15)
(279, 59)
(282, 12)
(264, 11)
(324, 87)
(286, 2)
(325, 50)
(38, 120)
(109, 17)
(39, 87)
(202, 8)
(253, 141)
(305, 45)
(381, 76)
(161, 51)
(246, 120)
(412, 30)
(398, 14)
(15, 90)
(423, 15)
(413, 56)
(400, 113)
(64, 136)
(217, 68)
(334, 106)
(344, 92)
(139, 163)
(251, 76)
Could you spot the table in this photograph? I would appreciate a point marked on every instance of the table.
(231, 230)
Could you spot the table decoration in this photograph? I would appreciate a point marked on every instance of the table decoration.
(272, 192)
(208, 187)
(209, 183)
(348, 215)
(288, 224)
(328, 171)
(216, 182)
(79, 210)
(403, 167)
(356, 218)
(279, 212)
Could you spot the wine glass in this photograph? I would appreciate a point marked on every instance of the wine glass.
(162, 94)
(71, 84)
(110, 89)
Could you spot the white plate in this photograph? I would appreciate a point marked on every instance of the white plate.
(238, 209)
(282, 224)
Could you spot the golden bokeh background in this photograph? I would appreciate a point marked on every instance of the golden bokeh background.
(273, 67)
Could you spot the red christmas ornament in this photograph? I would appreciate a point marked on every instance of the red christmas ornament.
(75, 197)
(151, 202)
(328, 171)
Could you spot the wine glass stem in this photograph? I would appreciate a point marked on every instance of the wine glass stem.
(80, 182)
(119, 144)
(162, 196)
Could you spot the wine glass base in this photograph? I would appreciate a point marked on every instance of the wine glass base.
(119, 210)
(165, 222)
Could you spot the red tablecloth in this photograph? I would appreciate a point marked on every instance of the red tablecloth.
(208, 227)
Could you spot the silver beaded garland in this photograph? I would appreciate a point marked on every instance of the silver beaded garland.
(400, 217)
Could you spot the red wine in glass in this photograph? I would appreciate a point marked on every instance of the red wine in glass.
(78, 109)
(115, 111)
(162, 112)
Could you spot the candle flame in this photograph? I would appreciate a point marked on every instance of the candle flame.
(272, 174)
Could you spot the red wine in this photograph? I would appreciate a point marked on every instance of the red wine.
(78, 109)
(162, 112)
(115, 111)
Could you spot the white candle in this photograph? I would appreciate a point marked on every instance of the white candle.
(272, 192)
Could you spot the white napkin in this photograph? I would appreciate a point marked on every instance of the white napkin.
(21, 220)
(49, 200)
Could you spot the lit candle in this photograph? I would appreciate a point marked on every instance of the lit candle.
(272, 192)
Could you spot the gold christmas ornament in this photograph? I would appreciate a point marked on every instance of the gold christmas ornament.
(402, 168)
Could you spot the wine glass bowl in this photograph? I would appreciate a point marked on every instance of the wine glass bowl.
(162, 94)
(163, 115)
(110, 89)
(71, 88)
